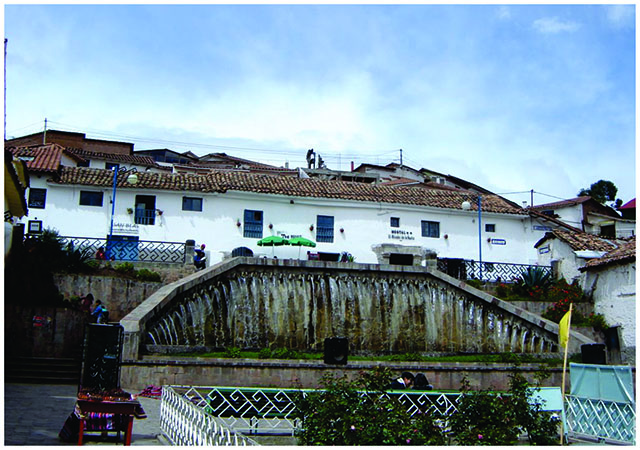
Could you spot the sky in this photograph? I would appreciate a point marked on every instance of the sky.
(512, 97)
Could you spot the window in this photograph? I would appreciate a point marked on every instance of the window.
(191, 204)
(430, 229)
(37, 198)
(145, 210)
(90, 198)
(395, 222)
(252, 223)
(84, 163)
(325, 229)
(490, 227)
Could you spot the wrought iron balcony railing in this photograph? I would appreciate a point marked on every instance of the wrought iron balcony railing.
(127, 249)
(465, 269)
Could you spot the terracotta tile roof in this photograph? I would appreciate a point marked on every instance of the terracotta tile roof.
(579, 241)
(115, 157)
(42, 158)
(563, 203)
(624, 253)
(222, 158)
(222, 181)
(398, 181)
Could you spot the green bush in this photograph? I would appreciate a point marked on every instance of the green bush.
(232, 352)
(478, 284)
(490, 418)
(148, 275)
(357, 413)
(125, 267)
(411, 356)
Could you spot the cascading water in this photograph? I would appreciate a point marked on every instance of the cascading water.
(376, 312)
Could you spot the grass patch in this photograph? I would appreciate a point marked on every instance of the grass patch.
(508, 358)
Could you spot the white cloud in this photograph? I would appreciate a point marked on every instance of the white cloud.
(620, 16)
(504, 12)
(554, 25)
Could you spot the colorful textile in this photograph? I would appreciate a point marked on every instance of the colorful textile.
(151, 391)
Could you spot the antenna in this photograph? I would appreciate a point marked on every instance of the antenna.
(401, 157)
(44, 135)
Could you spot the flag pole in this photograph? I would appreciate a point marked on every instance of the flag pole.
(564, 372)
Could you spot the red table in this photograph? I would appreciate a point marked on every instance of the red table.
(127, 409)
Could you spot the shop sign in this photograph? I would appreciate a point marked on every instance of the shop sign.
(498, 242)
(130, 229)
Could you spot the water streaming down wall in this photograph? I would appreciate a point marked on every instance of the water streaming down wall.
(382, 313)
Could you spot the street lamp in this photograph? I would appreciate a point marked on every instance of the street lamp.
(466, 205)
(132, 178)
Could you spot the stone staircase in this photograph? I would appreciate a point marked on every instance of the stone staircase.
(42, 370)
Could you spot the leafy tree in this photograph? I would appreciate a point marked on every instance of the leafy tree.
(602, 191)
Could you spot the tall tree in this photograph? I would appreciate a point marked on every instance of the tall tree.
(602, 191)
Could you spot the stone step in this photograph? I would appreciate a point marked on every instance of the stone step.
(42, 370)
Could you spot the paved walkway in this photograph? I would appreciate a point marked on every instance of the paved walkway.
(35, 413)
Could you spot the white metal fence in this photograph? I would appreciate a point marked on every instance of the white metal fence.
(184, 421)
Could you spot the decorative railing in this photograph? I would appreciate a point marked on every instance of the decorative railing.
(272, 411)
(184, 421)
(200, 415)
(601, 420)
(128, 249)
(465, 269)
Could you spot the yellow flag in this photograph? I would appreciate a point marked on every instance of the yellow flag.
(563, 332)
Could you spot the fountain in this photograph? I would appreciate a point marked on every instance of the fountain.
(253, 303)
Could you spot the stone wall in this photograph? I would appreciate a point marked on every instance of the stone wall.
(306, 374)
(43, 331)
(120, 295)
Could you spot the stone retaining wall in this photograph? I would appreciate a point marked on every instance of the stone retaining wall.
(307, 374)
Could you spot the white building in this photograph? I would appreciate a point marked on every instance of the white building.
(611, 282)
(72, 191)
(586, 214)
(227, 210)
(570, 250)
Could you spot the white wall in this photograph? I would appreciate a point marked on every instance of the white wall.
(614, 295)
(571, 215)
(365, 224)
(560, 252)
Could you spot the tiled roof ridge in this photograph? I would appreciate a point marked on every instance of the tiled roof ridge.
(580, 241)
(566, 202)
(143, 160)
(44, 157)
(626, 251)
(222, 181)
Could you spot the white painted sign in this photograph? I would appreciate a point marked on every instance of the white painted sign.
(131, 229)
(401, 235)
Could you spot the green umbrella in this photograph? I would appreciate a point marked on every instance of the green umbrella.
(300, 242)
(272, 241)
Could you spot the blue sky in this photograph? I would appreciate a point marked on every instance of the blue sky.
(510, 97)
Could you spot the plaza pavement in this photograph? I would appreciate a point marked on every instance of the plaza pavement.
(35, 413)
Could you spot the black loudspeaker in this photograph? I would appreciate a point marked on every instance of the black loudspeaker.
(336, 350)
(593, 354)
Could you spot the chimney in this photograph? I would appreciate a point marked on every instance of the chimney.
(352, 166)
